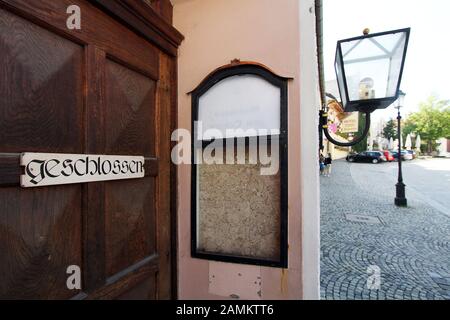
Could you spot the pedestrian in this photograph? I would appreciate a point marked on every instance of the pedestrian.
(321, 164)
(327, 162)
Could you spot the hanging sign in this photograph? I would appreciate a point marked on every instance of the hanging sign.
(350, 123)
(44, 169)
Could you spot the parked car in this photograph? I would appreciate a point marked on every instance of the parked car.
(388, 155)
(367, 156)
(413, 153)
(405, 155)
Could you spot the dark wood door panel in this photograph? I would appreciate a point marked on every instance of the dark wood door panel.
(40, 236)
(130, 206)
(96, 28)
(130, 223)
(130, 111)
(146, 289)
(126, 283)
(10, 169)
(41, 110)
(100, 90)
(41, 96)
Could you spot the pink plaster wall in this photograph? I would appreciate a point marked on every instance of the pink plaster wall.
(216, 32)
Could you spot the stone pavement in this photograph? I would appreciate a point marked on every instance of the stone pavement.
(361, 228)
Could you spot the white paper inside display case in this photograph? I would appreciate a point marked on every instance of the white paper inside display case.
(247, 105)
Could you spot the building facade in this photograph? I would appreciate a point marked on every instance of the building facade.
(114, 83)
(444, 147)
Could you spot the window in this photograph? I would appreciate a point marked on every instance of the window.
(239, 198)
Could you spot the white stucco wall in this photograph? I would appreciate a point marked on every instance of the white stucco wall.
(309, 137)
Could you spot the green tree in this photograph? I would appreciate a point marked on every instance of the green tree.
(390, 129)
(362, 146)
(408, 127)
(432, 121)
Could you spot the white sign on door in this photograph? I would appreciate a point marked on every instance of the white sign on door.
(44, 169)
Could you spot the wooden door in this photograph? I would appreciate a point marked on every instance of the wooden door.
(107, 88)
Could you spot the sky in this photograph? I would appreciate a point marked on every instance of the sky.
(427, 66)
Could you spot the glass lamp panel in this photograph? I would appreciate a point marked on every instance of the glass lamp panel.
(367, 80)
(395, 67)
(240, 106)
(372, 65)
(400, 100)
(340, 77)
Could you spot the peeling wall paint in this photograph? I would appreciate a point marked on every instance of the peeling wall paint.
(244, 282)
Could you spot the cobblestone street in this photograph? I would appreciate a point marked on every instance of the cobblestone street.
(361, 227)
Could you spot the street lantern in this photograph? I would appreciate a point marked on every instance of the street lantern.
(400, 198)
(369, 69)
(400, 102)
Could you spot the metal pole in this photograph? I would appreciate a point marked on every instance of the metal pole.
(400, 199)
